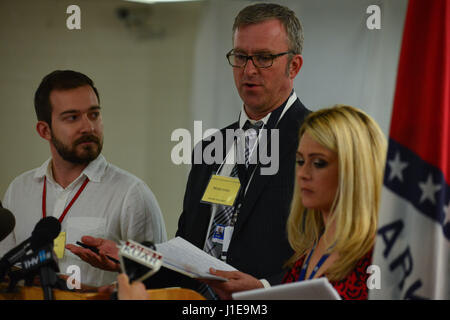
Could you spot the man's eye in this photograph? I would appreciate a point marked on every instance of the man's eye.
(71, 118)
(95, 115)
(240, 57)
(263, 58)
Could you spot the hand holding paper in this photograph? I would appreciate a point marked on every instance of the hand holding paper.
(237, 281)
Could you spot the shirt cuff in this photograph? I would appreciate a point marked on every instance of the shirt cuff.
(265, 283)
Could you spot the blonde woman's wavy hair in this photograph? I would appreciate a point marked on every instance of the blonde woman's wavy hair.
(360, 146)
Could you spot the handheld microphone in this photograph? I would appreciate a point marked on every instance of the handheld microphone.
(7, 222)
(45, 231)
(139, 261)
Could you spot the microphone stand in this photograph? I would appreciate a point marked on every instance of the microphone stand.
(49, 279)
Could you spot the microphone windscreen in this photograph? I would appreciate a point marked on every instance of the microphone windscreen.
(46, 230)
(7, 223)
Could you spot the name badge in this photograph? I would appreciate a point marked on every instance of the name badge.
(219, 234)
(59, 245)
(222, 190)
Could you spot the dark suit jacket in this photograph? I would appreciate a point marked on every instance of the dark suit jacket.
(259, 244)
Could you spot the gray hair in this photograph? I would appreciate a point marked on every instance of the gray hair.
(265, 11)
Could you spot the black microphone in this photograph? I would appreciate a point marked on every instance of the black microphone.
(7, 222)
(138, 261)
(42, 262)
(45, 231)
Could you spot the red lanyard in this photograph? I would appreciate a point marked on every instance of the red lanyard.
(44, 199)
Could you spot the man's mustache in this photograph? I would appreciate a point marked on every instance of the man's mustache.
(87, 138)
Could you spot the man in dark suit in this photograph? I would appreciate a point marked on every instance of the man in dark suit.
(266, 57)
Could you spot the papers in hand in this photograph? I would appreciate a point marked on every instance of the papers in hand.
(315, 289)
(181, 256)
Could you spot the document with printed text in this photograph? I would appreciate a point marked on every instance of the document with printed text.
(181, 256)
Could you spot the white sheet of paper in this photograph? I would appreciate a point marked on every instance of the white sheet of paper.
(315, 289)
(182, 256)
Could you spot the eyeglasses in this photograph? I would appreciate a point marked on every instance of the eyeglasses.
(263, 60)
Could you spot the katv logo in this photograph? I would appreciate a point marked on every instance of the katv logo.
(141, 254)
(133, 256)
(34, 260)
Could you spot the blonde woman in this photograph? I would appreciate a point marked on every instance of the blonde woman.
(333, 220)
(334, 213)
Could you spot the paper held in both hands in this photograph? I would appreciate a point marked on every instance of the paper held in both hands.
(181, 256)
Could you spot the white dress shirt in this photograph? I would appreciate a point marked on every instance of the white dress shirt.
(230, 161)
(114, 205)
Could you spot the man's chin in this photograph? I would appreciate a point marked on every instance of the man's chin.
(84, 157)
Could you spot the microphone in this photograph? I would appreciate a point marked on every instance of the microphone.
(45, 231)
(7, 222)
(139, 261)
(42, 262)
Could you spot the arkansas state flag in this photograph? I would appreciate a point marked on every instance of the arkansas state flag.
(412, 247)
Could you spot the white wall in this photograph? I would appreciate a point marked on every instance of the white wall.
(344, 61)
(149, 87)
(144, 85)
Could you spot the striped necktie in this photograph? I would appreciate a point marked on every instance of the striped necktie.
(224, 214)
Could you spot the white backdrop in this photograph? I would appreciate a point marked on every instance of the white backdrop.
(344, 61)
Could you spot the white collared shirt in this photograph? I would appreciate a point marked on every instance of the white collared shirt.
(114, 205)
(227, 167)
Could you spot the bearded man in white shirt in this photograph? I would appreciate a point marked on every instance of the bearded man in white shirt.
(77, 185)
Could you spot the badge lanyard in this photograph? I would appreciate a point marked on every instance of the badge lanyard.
(44, 199)
(272, 123)
(316, 268)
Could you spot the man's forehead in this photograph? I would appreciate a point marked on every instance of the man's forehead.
(261, 36)
(81, 98)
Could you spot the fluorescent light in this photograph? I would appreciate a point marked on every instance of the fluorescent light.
(158, 1)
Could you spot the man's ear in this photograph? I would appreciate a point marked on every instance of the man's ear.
(44, 131)
(295, 66)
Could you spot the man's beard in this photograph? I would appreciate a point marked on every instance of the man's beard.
(69, 153)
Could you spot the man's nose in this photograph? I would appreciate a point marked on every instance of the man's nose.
(87, 125)
(250, 67)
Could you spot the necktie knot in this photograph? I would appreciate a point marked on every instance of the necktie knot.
(256, 126)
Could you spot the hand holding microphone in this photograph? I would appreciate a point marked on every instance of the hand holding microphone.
(131, 291)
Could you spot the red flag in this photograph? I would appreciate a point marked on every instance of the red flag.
(421, 115)
(413, 243)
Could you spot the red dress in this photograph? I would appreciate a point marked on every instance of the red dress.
(352, 287)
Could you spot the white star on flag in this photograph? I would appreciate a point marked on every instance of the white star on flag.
(447, 213)
(397, 167)
(428, 189)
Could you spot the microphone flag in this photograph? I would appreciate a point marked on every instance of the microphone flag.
(412, 247)
(139, 261)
